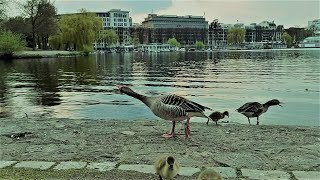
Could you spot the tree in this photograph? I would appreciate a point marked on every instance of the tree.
(108, 36)
(173, 42)
(46, 24)
(2, 11)
(134, 41)
(236, 35)
(41, 15)
(78, 30)
(10, 43)
(287, 39)
(199, 44)
(18, 25)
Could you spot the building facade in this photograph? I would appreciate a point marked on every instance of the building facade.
(186, 29)
(255, 34)
(314, 25)
(217, 35)
(120, 22)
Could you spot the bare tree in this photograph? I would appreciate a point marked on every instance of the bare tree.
(41, 17)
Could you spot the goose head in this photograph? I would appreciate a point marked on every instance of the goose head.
(170, 162)
(226, 113)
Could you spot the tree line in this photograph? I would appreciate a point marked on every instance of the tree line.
(39, 26)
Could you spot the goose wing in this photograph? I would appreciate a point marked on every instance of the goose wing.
(185, 104)
(250, 107)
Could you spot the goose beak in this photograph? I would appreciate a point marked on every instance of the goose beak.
(281, 103)
(119, 86)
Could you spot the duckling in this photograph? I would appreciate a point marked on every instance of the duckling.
(167, 167)
(216, 116)
(209, 174)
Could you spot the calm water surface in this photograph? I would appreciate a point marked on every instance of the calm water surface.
(84, 87)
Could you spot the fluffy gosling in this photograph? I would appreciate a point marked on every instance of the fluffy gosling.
(216, 116)
(209, 174)
(166, 167)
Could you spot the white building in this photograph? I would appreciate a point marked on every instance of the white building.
(120, 22)
(314, 25)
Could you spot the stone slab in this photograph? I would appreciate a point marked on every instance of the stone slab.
(265, 175)
(188, 171)
(226, 172)
(138, 167)
(6, 163)
(70, 165)
(103, 166)
(306, 175)
(35, 164)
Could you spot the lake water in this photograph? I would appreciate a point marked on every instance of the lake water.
(84, 87)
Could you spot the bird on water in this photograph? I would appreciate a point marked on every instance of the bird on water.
(255, 109)
(169, 107)
(166, 167)
(216, 116)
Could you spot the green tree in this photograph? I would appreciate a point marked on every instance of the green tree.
(10, 43)
(236, 35)
(287, 39)
(134, 41)
(108, 37)
(173, 42)
(199, 44)
(79, 30)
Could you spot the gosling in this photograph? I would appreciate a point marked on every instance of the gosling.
(209, 174)
(216, 116)
(166, 167)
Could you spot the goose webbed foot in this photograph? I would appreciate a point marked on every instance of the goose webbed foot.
(187, 128)
(168, 135)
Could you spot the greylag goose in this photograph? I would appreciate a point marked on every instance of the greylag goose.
(209, 174)
(166, 167)
(169, 107)
(255, 109)
(216, 116)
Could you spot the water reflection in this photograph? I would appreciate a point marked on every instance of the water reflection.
(83, 87)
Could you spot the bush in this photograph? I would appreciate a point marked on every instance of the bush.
(10, 43)
(87, 49)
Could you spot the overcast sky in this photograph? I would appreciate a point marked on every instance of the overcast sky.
(286, 12)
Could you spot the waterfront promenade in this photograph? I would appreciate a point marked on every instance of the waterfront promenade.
(111, 149)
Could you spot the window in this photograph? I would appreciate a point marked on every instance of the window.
(125, 24)
(115, 24)
(115, 19)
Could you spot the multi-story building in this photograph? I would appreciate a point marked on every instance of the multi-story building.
(217, 35)
(120, 22)
(262, 32)
(186, 29)
(314, 25)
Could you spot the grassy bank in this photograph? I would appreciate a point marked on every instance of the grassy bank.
(43, 54)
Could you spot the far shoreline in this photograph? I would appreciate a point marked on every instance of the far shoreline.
(42, 54)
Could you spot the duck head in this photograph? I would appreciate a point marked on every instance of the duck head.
(274, 102)
(226, 113)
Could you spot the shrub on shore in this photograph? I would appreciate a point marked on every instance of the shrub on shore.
(10, 43)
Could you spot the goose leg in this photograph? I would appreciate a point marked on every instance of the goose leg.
(258, 120)
(249, 120)
(187, 127)
(208, 121)
(170, 135)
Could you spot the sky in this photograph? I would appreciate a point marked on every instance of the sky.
(290, 13)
